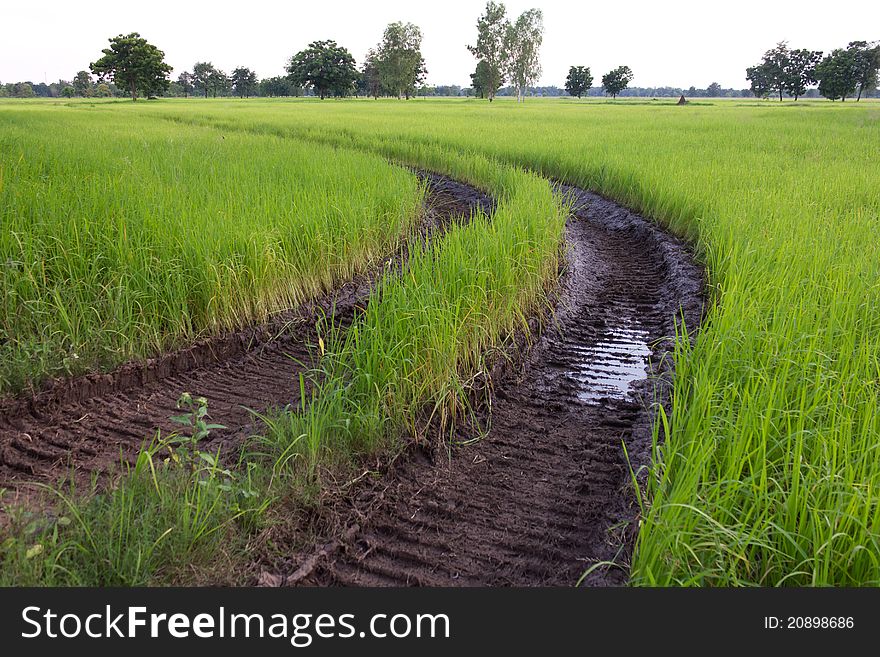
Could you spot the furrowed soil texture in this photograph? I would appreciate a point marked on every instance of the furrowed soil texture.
(89, 424)
(547, 494)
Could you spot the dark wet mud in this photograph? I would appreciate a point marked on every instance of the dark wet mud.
(88, 424)
(547, 495)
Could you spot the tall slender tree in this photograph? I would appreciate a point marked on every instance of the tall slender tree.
(522, 45)
(399, 59)
(492, 29)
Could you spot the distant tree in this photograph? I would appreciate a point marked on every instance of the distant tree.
(185, 80)
(244, 82)
(522, 44)
(837, 75)
(492, 28)
(480, 79)
(82, 84)
(866, 64)
(579, 80)
(326, 66)
(800, 72)
(399, 59)
(219, 82)
(761, 79)
(68, 92)
(103, 91)
(278, 86)
(370, 80)
(134, 64)
(23, 90)
(770, 75)
(714, 90)
(201, 76)
(617, 80)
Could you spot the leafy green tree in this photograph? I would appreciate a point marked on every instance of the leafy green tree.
(370, 80)
(219, 82)
(837, 75)
(185, 80)
(278, 86)
(103, 91)
(399, 59)
(579, 80)
(617, 80)
(23, 90)
(522, 44)
(800, 71)
(326, 66)
(201, 76)
(244, 82)
(761, 79)
(866, 64)
(135, 64)
(714, 90)
(82, 84)
(480, 79)
(68, 92)
(492, 30)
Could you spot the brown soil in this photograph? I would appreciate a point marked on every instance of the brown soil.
(547, 494)
(86, 425)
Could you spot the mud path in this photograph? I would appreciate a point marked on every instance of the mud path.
(547, 494)
(85, 425)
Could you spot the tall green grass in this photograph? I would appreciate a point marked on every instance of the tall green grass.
(123, 237)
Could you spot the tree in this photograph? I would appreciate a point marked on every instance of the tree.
(185, 80)
(480, 79)
(522, 44)
(579, 80)
(201, 76)
(761, 80)
(837, 75)
(133, 63)
(617, 80)
(278, 86)
(866, 63)
(399, 60)
(800, 71)
(82, 84)
(492, 28)
(103, 91)
(23, 90)
(714, 90)
(218, 81)
(370, 81)
(324, 65)
(68, 92)
(244, 82)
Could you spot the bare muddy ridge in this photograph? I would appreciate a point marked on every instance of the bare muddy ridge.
(547, 493)
(86, 423)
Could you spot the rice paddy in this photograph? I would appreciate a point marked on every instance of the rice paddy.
(130, 229)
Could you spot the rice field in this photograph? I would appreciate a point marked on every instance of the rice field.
(147, 225)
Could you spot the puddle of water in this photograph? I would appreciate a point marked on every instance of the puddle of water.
(608, 367)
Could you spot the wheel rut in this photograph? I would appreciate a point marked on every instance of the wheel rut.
(547, 495)
(86, 425)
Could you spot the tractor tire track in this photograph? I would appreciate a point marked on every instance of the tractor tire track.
(86, 425)
(547, 495)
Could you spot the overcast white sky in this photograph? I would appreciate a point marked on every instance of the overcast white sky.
(666, 42)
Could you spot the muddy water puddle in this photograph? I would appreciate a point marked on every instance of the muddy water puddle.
(608, 366)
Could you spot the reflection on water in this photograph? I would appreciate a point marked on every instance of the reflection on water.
(608, 367)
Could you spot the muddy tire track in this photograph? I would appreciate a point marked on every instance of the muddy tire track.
(547, 495)
(86, 425)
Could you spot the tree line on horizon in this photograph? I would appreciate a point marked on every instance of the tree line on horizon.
(507, 51)
(850, 71)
